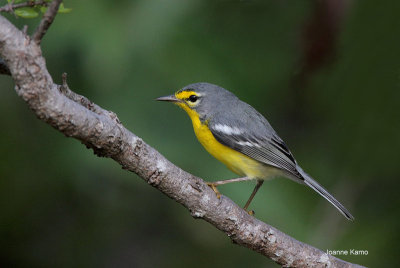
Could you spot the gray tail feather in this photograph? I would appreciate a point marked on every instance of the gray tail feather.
(325, 194)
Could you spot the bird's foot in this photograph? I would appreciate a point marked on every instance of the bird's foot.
(214, 188)
(251, 212)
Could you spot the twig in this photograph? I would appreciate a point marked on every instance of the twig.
(10, 7)
(109, 138)
(64, 89)
(46, 21)
(25, 29)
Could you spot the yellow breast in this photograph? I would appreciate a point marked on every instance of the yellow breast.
(234, 160)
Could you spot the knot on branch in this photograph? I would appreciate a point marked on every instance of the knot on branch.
(197, 214)
(4, 68)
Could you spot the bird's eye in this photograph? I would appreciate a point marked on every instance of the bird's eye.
(193, 98)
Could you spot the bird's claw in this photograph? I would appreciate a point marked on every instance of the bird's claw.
(251, 212)
(214, 188)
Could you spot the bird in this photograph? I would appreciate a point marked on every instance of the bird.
(241, 138)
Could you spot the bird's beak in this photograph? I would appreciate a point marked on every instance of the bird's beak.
(170, 98)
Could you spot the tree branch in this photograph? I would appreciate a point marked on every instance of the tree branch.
(10, 7)
(77, 117)
(46, 21)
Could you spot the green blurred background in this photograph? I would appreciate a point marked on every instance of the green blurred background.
(325, 73)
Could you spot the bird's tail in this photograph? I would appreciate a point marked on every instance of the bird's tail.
(324, 193)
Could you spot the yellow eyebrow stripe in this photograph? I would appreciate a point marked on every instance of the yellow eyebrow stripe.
(185, 94)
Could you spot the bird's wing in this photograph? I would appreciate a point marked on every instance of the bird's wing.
(255, 138)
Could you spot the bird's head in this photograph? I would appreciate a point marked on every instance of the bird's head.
(202, 99)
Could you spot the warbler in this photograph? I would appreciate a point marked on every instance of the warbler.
(240, 137)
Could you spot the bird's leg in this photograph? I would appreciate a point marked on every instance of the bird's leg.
(214, 184)
(258, 185)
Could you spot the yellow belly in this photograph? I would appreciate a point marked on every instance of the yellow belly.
(234, 160)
